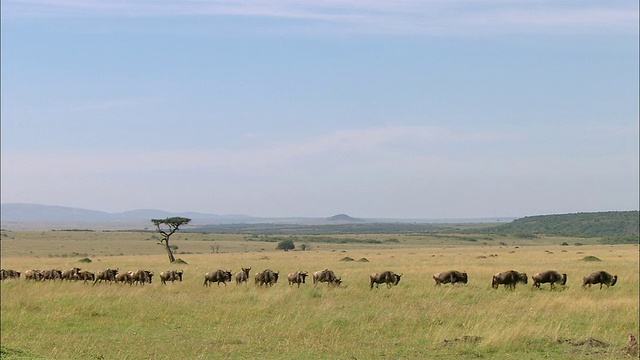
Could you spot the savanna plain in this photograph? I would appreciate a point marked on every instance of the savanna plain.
(413, 320)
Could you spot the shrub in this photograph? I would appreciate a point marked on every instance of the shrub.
(85, 260)
(590, 258)
(346, 258)
(180, 261)
(285, 245)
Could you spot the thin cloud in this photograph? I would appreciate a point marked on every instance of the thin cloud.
(436, 17)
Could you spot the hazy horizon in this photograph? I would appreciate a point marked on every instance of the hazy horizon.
(412, 110)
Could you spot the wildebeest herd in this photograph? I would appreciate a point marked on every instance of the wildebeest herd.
(269, 277)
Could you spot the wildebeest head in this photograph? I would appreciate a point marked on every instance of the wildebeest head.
(522, 277)
(303, 275)
(396, 279)
(614, 280)
(563, 279)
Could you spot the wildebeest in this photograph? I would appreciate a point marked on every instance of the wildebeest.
(71, 274)
(297, 277)
(51, 274)
(9, 274)
(509, 279)
(242, 275)
(450, 277)
(141, 277)
(86, 276)
(387, 277)
(219, 276)
(267, 277)
(105, 275)
(327, 276)
(170, 275)
(599, 277)
(35, 275)
(549, 276)
(125, 277)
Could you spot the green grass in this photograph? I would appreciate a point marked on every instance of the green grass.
(414, 320)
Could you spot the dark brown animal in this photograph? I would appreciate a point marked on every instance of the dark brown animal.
(509, 279)
(86, 276)
(52, 274)
(219, 276)
(549, 276)
(600, 277)
(242, 275)
(9, 274)
(70, 274)
(450, 277)
(170, 275)
(327, 276)
(297, 277)
(266, 277)
(386, 277)
(35, 275)
(124, 277)
(107, 275)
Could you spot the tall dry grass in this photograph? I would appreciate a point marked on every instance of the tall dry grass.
(413, 320)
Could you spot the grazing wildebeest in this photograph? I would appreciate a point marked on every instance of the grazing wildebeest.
(219, 276)
(35, 275)
(327, 276)
(51, 274)
(86, 276)
(297, 277)
(70, 274)
(243, 275)
(509, 279)
(450, 277)
(170, 275)
(386, 277)
(549, 276)
(267, 277)
(599, 277)
(105, 275)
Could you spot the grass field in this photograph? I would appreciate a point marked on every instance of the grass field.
(413, 320)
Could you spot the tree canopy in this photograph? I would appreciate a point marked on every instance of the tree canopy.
(166, 227)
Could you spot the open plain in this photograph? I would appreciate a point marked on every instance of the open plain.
(413, 320)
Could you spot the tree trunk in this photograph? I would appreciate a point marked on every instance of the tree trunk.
(169, 252)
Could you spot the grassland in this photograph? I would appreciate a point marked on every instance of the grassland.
(414, 320)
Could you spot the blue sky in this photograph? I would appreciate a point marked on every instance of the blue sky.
(417, 109)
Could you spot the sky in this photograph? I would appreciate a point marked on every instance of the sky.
(408, 109)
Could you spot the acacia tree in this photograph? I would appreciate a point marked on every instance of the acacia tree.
(166, 227)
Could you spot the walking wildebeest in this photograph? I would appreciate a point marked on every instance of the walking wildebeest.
(70, 274)
(327, 276)
(267, 277)
(9, 274)
(141, 277)
(549, 276)
(600, 277)
(170, 275)
(386, 277)
(219, 276)
(105, 275)
(509, 279)
(243, 275)
(86, 276)
(51, 274)
(35, 275)
(297, 277)
(450, 277)
(125, 277)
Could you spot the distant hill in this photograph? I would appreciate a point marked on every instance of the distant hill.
(35, 212)
(343, 218)
(596, 224)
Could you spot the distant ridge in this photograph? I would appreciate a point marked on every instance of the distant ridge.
(35, 212)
